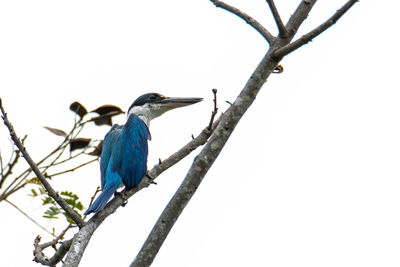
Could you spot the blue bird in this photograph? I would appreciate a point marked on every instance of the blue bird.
(125, 149)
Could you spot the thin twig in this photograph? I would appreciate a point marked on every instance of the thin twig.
(10, 167)
(67, 159)
(15, 184)
(1, 166)
(72, 169)
(214, 112)
(282, 29)
(27, 216)
(52, 193)
(57, 238)
(314, 33)
(92, 199)
(18, 186)
(249, 20)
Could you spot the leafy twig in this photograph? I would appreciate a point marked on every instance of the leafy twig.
(74, 216)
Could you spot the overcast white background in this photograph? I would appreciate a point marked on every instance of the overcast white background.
(310, 177)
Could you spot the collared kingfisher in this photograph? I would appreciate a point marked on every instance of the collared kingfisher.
(125, 149)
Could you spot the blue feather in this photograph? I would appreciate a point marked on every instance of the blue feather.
(123, 159)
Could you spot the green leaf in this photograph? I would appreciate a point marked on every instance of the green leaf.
(34, 194)
(48, 200)
(34, 180)
(52, 213)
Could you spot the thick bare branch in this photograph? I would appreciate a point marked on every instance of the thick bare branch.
(299, 16)
(211, 150)
(52, 193)
(277, 18)
(314, 33)
(251, 21)
(203, 162)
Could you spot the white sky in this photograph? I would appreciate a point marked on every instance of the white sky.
(309, 178)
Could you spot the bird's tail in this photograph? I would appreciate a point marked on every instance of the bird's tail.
(101, 200)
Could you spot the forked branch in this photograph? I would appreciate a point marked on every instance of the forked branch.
(52, 193)
(314, 33)
(211, 150)
(251, 21)
(277, 18)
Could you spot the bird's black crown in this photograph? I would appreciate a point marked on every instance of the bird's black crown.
(147, 98)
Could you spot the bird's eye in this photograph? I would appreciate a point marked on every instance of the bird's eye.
(152, 97)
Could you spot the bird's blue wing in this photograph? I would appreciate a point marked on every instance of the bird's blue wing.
(111, 155)
(110, 178)
(134, 151)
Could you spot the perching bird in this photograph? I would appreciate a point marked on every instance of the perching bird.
(124, 156)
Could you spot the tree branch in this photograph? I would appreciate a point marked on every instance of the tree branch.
(40, 257)
(73, 169)
(215, 111)
(282, 29)
(249, 20)
(317, 31)
(299, 16)
(82, 238)
(211, 150)
(74, 216)
(203, 162)
(9, 167)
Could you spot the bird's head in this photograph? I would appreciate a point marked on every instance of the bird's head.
(152, 105)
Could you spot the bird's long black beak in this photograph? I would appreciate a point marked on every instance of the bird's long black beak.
(177, 102)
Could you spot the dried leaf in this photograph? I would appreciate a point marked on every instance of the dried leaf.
(79, 143)
(105, 109)
(78, 109)
(102, 120)
(97, 151)
(56, 131)
(105, 119)
(106, 112)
